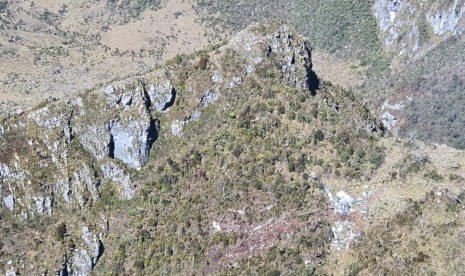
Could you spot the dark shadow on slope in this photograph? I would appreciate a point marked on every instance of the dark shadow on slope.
(313, 82)
(148, 102)
(64, 270)
(101, 249)
(152, 135)
(171, 102)
(111, 147)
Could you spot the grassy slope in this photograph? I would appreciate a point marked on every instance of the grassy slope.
(343, 27)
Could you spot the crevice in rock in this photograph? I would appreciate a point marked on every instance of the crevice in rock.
(147, 101)
(111, 147)
(171, 102)
(268, 51)
(64, 270)
(313, 82)
(293, 59)
(152, 135)
(69, 124)
(101, 249)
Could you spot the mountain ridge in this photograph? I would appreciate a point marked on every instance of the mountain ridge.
(226, 161)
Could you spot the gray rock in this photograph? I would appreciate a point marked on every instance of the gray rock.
(46, 118)
(80, 263)
(9, 202)
(217, 77)
(131, 140)
(3, 6)
(84, 259)
(11, 272)
(235, 82)
(43, 205)
(116, 174)
(208, 98)
(177, 127)
(131, 133)
(161, 96)
(447, 20)
(81, 184)
(96, 140)
(389, 120)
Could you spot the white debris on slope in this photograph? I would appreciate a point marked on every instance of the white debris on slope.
(343, 229)
(389, 120)
(389, 111)
(9, 202)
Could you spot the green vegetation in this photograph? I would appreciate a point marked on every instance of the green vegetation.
(129, 9)
(422, 240)
(235, 193)
(346, 28)
(60, 231)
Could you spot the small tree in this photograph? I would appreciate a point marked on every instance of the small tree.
(60, 231)
(319, 136)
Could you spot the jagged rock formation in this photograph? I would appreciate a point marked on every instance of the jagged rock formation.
(59, 155)
(68, 149)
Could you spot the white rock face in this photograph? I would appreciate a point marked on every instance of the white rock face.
(176, 127)
(85, 258)
(235, 82)
(389, 120)
(83, 180)
(113, 172)
(96, 140)
(161, 95)
(130, 136)
(208, 98)
(398, 33)
(115, 124)
(447, 20)
(291, 49)
(399, 21)
(132, 140)
(9, 202)
(43, 205)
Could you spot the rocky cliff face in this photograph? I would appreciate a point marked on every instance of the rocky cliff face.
(406, 25)
(59, 155)
(65, 150)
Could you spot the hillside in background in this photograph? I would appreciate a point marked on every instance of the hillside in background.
(55, 49)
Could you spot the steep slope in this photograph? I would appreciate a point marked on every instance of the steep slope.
(201, 166)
